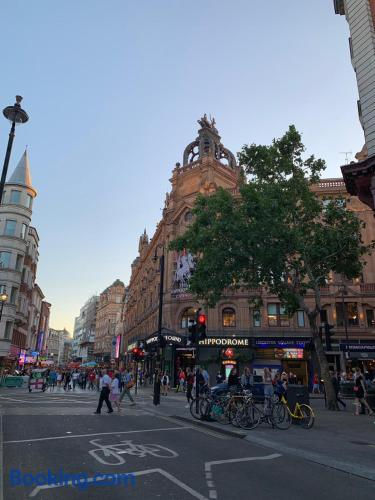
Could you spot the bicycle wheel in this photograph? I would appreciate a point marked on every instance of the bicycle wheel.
(308, 417)
(280, 416)
(193, 409)
(249, 417)
(205, 408)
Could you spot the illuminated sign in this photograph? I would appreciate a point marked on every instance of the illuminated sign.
(225, 342)
(118, 342)
(172, 339)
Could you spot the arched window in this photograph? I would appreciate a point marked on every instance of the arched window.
(229, 317)
(188, 217)
(188, 314)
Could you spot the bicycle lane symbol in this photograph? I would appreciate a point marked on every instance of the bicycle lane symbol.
(112, 454)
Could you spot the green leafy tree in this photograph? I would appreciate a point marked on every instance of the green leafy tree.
(277, 236)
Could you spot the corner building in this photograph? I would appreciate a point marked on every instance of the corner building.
(237, 333)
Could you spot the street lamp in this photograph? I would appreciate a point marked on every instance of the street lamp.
(3, 299)
(160, 320)
(16, 115)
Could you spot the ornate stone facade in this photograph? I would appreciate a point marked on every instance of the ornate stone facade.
(107, 315)
(266, 327)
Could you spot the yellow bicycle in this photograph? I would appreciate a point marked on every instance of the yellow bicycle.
(302, 414)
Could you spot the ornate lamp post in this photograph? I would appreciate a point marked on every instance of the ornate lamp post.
(3, 299)
(160, 320)
(16, 115)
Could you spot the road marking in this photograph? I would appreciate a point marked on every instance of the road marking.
(212, 493)
(164, 473)
(114, 451)
(46, 400)
(97, 434)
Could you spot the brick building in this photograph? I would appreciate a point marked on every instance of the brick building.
(259, 337)
(107, 316)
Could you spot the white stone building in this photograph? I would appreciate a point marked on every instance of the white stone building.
(18, 259)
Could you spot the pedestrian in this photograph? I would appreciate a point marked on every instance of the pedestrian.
(59, 379)
(233, 380)
(336, 387)
(128, 382)
(267, 380)
(360, 392)
(206, 377)
(189, 386)
(182, 380)
(115, 390)
(178, 380)
(247, 379)
(75, 377)
(67, 379)
(316, 387)
(104, 394)
(164, 384)
(92, 377)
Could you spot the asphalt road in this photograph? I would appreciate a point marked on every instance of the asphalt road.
(163, 457)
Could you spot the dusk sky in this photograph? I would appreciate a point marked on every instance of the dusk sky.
(114, 90)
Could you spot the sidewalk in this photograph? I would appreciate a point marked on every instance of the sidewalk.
(338, 439)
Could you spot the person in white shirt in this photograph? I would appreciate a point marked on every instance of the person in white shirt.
(104, 393)
(115, 391)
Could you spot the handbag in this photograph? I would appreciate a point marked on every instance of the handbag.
(130, 384)
(355, 388)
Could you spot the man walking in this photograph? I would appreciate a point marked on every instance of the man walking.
(128, 382)
(104, 393)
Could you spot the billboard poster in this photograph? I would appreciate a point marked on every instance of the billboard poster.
(185, 266)
(118, 342)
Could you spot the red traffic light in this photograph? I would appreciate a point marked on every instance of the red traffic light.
(202, 319)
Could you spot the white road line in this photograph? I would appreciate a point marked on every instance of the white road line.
(97, 434)
(212, 493)
(164, 473)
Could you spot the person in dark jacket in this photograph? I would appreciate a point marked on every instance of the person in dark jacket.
(336, 386)
(233, 379)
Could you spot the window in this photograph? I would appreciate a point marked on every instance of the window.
(188, 217)
(8, 329)
(15, 196)
(5, 259)
(13, 295)
(256, 317)
(3, 198)
(351, 314)
(277, 316)
(19, 262)
(187, 315)
(29, 202)
(323, 316)
(23, 231)
(10, 227)
(229, 317)
(301, 319)
(370, 318)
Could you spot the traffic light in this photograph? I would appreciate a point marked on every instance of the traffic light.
(328, 334)
(201, 326)
(138, 354)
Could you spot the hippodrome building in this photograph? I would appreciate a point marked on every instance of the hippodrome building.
(238, 334)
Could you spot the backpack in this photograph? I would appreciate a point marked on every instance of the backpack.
(165, 380)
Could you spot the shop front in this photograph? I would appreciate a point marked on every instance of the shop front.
(290, 355)
(361, 353)
(219, 354)
(175, 355)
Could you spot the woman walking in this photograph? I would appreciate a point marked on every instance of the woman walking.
(115, 391)
(360, 392)
(189, 386)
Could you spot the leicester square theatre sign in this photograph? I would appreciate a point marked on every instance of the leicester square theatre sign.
(225, 342)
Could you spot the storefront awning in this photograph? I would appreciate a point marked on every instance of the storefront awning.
(170, 337)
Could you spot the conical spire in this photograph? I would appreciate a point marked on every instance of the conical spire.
(21, 175)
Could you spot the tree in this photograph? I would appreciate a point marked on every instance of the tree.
(276, 235)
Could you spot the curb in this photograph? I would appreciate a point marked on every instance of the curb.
(199, 423)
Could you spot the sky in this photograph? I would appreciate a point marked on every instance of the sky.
(114, 89)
